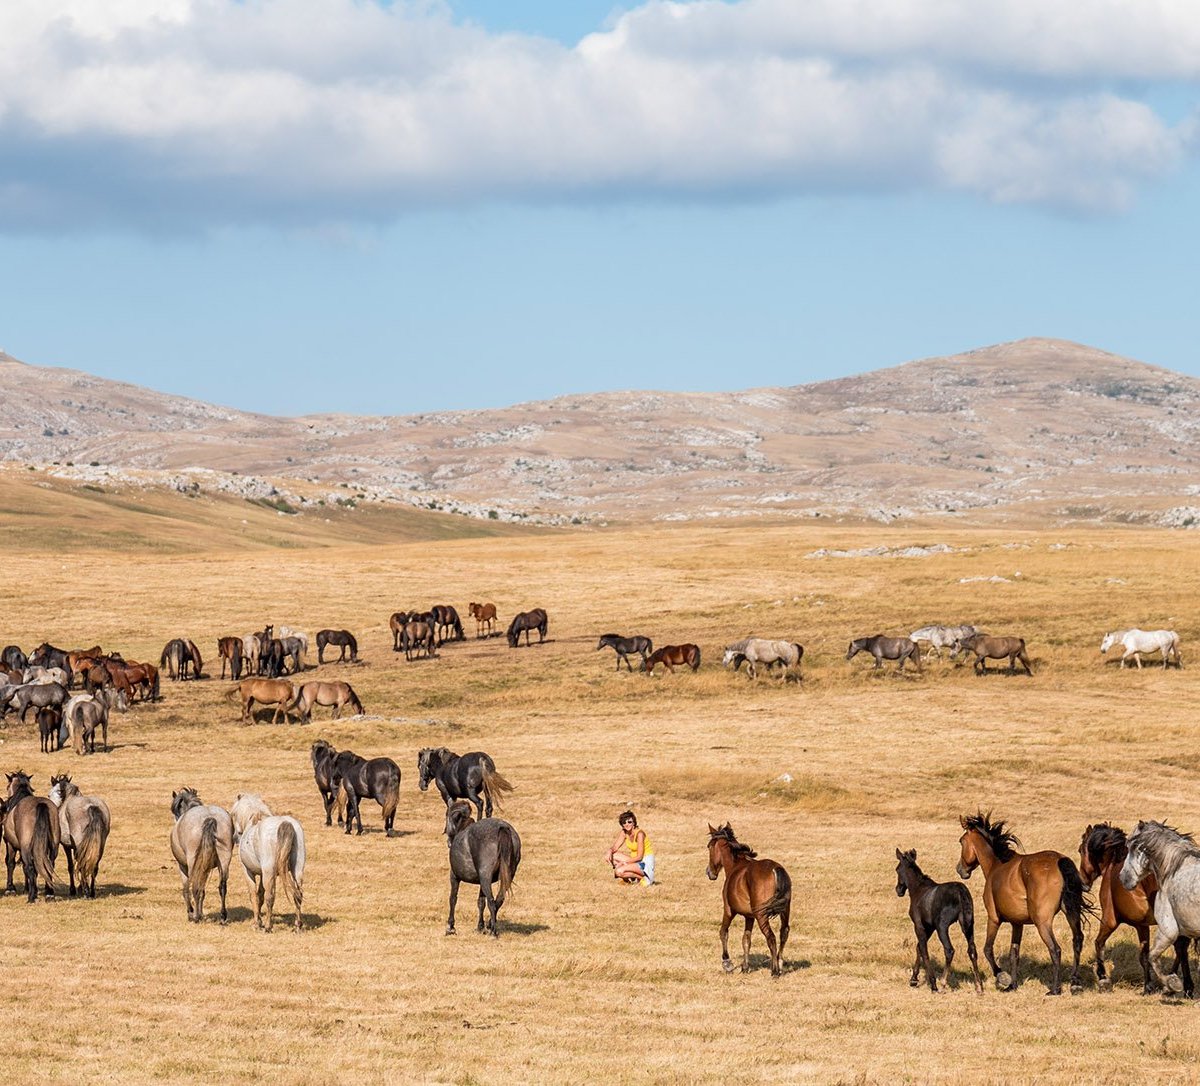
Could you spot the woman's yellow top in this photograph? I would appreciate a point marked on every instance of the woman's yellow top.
(647, 849)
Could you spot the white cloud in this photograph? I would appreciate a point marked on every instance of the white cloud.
(193, 112)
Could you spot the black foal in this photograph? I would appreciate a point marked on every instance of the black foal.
(934, 906)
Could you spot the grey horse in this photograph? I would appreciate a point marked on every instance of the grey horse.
(20, 699)
(480, 853)
(887, 648)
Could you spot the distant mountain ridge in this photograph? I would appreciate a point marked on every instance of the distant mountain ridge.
(1075, 430)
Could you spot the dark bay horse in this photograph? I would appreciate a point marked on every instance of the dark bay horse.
(323, 756)
(341, 639)
(471, 776)
(626, 647)
(1023, 888)
(396, 623)
(30, 831)
(934, 906)
(756, 889)
(1102, 851)
(673, 656)
(179, 655)
(986, 647)
(46, 655)
(418, 637)
(362, 778)
(887, 648)
(523, 623)
(230, 650)
(446, 620)
(484, 615)
(480, 853)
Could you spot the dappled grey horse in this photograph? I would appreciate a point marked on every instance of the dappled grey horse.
(626, 647)
(480, 853)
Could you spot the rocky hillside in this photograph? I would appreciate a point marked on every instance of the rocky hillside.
(1069, 430)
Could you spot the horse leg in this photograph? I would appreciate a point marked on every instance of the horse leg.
(1143, 934)
(223, 886)
(255, 897)
(1182, 967)
(474, 797)
(70, 869)
(1076, 925)
(453, 902)
(943, 931)
(351, 809)
(746, 943)
(1045, 928)
(764, 922)
(1106, 929)
(1165, 936)
(726, 920)
(493, 909)
(10, 861)
(271, 899)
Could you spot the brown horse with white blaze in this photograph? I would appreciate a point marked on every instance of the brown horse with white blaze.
(1023, 888)
(756, 889)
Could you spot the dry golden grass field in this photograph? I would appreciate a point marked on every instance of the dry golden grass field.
(591, 980)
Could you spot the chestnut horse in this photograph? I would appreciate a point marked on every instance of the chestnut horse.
(231, 649)
(673, 656)
(1023, 888)
(277, 692)
(756, 889)
(484, 615)
(1102, 851)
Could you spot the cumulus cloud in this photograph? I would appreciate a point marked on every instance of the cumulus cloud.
(185, 113)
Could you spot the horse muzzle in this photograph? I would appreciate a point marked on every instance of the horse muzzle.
(1127, 880)
(964, 872)
(711, 873)
(423, 786)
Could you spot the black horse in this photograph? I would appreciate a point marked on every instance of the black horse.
(46, 655)
(178, 656)
(524, 622)
(480, 853)
(12, 657)
(343, 639)
(271, 658)
(362, 778)
(323, 755)
(934, 906)
(625, 647)
(471, 777)
(445, 618)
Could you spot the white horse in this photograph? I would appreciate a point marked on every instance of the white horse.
(35, 676)
(1174, 858)
(943, 637)
(270, 847)
(1138, 641)
(758, 650)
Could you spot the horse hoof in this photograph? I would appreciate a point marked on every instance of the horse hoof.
(1076, 987)
(451, 931)
(1004, 982)
(727, 966)
(1103, 984)
(914, 982)
(1174, 984)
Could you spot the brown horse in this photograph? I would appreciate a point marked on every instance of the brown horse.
(277, 692)
(397, 623)
(756, 889)
(1102, 851)
(1023, 888)
(231, 651)
(324, 693)
(31, 830)
(673, 656)
(418, 637)
(80, 659)
(985, 647)
(484, 615)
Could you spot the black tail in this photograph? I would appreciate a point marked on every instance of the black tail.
(966, 912)
(782, 898)
(1076, 902)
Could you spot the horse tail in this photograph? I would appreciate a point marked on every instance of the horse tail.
(781, 900)
(285, 862)
(506, 860)
(694, 660)
(154, 689)
(204, 860)
(236, 662)
(42, 847)
(162, 660)
(493, 784)
(90, 846)
(966, 912)
(1075, 901)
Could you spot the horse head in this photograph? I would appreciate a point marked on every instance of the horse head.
(60, 788)
(907, 862)
(184, 800)
(429, 761)
(20, 784)
(458, 818)
(1133, 870)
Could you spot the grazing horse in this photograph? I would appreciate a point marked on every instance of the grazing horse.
(626, 647)
(1136, 641)
(178, 655)
(277, 692)
(230, 650)
(1023, 888)
(756, 889)
(362, 778)
(294, 649)
(417, 637)
(201, 839)
(484, 615)
(83, 825)
(471, 776)
(480, 853)
(757, 650)
(397, 623)
(445, 618)
(942, 637)
(343, 639)
(525, 621)
(673, 656)
(144, 676)
(322, 693)
(31, 830)
(323, 756)
(1174, 860)
(270, 847)
(934, 906)
(886, 648)
(986, 647)
(1102, 851)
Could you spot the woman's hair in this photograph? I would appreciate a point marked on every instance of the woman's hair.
(624, 815)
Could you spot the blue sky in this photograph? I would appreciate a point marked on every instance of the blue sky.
(429, 206)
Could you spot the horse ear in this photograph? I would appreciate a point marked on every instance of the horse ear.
(711, 831)
(899, 855)
(962, 821)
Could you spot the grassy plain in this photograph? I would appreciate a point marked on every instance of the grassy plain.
(591, 980)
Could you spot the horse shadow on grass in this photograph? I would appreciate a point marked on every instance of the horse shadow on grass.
(117, 889)
(519, 927)
(763, 961)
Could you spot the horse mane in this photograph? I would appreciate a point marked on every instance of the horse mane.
(739, 646)
(725, 833)
(1167, 846)
(1105, 844)
(1003, 842)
